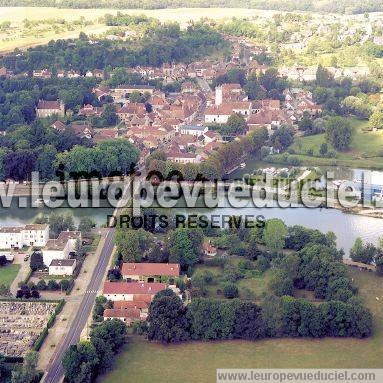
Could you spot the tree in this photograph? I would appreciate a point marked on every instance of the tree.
(109, 116)
(36, 261)
(254, 90)
(44, 164)
(53, 285)
(59, 223)
(86, 225)
(112, 332)
(132, 244)
(282, 137)
(230, 290)
(249, 322)
(281, 284)
(356, 106)
(305, 123)
(236, 124)
(167, 319)
(79, 362)
(19, 165)
(323, 77)
(3, 260)
(364, 253)
(376, 119)
(274, 234)
(27, 373)
(339, 133)
(323, 149)
(212, 319)
(184, 246)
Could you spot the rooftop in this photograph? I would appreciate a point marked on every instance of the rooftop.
(63, 262)
(148, 269)
(133, 288)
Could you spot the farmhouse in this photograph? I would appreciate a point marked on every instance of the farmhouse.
(149, 272)
(49, 108)
(209, 250)
(127, 316)
(132, 291)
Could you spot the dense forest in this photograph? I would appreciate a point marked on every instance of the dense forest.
(341, 6)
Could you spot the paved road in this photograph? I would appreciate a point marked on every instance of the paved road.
(55, 371)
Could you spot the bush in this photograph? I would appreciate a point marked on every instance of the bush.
(230, 291)
(53, 285)
(215, 262)
(40, 340)
(41, 285)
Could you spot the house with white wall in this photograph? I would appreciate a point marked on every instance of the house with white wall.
(62, 267)
(61, 247)
(16, 237)
(132, 291)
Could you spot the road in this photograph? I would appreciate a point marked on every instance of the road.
(55, 371)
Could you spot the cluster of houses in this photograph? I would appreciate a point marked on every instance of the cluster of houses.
(56, 252)
(179, 123)
(141, 282)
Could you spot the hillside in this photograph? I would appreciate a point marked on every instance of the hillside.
(327, 6)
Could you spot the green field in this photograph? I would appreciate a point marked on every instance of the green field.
(197, 362)
(20, 37)
(8, 274)
(365, 150)
(253, 286)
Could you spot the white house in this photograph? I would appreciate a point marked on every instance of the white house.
(183, 158)
(20, 236)
(62, 267)
(61, 247)
(194, 130)
(220, 113)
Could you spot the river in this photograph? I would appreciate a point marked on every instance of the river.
(347, 227)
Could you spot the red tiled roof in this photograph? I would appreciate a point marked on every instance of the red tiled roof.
(148, 269)
(131, 313)
(133, 288)
(123, 305)
(180, 155)
(48, 105)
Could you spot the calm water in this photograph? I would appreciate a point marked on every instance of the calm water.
(347, 227)
(15, 216)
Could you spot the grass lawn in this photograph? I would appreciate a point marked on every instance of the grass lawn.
(197, 362)
(364, 151)
(257, 284)
(254, 284)
(8, 274)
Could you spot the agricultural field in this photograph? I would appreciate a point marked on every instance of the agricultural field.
(365, 150)
(197, 362)
(45, 24)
